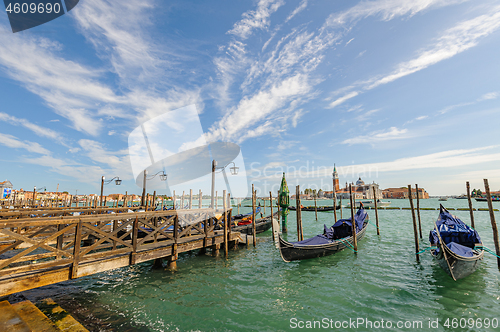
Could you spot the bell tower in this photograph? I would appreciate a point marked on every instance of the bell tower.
(336, 179)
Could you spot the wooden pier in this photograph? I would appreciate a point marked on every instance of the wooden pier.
(40, 250)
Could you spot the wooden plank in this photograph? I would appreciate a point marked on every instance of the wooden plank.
(62, 319)
(10, 321)
(34, 318)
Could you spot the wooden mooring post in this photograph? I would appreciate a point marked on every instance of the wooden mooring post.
(376, 208)
(471, 210)
(353, 222)
(315, 207)
(340, 206)
(298, 213)
(415, 231)
(224, 205)
(253, 217)
(272, 216)
(190, 199)
(418, 212)
(493, 222)
(334, 203)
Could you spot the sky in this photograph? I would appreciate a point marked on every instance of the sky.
(392, 91)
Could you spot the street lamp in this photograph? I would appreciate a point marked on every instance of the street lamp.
(34, 194)
(163, 177)
(234, 171)
(103, 182)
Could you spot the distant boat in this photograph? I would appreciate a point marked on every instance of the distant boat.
(484, 199)
(443, 199)
(311, 208)
(370, 204)
(454, 245)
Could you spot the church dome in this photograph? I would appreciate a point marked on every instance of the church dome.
(360, 182)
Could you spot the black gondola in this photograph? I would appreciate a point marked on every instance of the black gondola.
(455, 245)
(334, 239)
(311, 208)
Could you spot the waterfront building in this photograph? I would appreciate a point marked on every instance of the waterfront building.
(403, 193)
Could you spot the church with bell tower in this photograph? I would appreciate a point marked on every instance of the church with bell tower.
(336, 182)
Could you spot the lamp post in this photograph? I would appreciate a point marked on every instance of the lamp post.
(103, 182)
(34, 194)
(233, 170)
(163, 177)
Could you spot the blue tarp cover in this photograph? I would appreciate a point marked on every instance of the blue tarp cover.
(455, 234)
(341, 229)
(460, 249)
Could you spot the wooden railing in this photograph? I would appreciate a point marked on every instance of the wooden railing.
(78, 244)
(61, 211)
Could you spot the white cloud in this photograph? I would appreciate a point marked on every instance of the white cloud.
(40, 131)
(285, 145)
(444, 159)
(379, 136)
(256, 19)
(253, 109)
(119, 29)
(342, 99)
(489, 96)
(421, 117)
(297, 10)
(386, 9)
(69, 88)
(455, 40)
(15, 143)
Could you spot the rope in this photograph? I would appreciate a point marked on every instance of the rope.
(372, 224)
(422, 251)
(350, 246)
(487, 250)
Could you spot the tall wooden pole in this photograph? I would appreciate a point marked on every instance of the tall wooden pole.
(376, 208)
(415, 231)
(190, 199)
(315, 207)
(200, 200)
(340, 206)
(418, 211)
(225, 221)
(182, 200)
(253, 218)
(102, 189)
(334, 205)
(298, 212)
(143, 198)
(216, 201)
(272, 217)
(493, 222)
(174, 199)
(212, 205)
(153, 204)
(470, 205)
(353, 221)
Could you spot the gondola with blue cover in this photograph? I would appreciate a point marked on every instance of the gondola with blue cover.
(333, 239)
(456, 246)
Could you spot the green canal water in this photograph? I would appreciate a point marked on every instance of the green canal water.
(254, 290)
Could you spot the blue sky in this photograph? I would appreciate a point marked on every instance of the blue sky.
(397, 92)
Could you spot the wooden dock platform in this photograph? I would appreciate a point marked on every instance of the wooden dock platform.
(40, 251)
